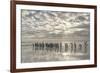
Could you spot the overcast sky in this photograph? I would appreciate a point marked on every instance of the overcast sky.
(55, 23)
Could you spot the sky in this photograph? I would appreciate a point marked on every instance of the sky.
(54, 24)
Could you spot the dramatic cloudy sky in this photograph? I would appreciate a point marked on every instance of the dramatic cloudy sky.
(41, 24)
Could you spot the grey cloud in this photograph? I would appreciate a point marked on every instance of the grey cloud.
(81, 18)
(84, 26)
(80, 33)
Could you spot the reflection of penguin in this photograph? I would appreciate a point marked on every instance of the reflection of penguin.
(46, 44)
(36, 46)
(85, 46)
(33, 47)
(50, 47)
(74, 47)
(66, 47)
(60, 47)
(71, 47)
(42, 46)
(80, 47)
(56, 47)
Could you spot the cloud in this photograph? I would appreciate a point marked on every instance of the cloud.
(54, 24)
(82, 33)
(82, 26)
